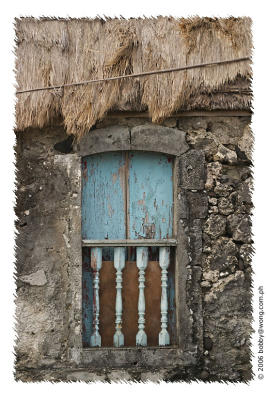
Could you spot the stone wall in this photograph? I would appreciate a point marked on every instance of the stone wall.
(214, 207)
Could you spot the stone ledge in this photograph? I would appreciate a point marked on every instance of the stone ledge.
(137, 357)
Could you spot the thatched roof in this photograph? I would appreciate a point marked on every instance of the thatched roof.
(59, 51)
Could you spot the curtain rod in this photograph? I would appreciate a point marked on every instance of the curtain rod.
(113, 78)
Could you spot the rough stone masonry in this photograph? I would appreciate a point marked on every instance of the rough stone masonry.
(214, 211)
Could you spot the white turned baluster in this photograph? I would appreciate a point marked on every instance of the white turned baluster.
(164, 256)
(142, 261)
(96, 261)
(119, 264)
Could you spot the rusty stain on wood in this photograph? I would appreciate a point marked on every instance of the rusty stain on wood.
(130, 293)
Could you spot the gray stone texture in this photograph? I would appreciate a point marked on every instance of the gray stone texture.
(154, 137)
(147, 137)
(192, 172)
(215, 226)
(213, 256)
(194, 205)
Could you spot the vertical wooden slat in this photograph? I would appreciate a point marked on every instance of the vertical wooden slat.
(87, 296)
(119, 264)
(103, 196)
(150, 196)
(142, 261)
(164, 258)
(96, 261)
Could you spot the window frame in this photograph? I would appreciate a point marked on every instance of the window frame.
(185, 352)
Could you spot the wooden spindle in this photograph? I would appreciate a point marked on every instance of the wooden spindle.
(164, 257)
(96, 262)
(119, 264)
(142, 261)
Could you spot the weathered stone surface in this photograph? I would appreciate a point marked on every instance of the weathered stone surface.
(223, 286)
(245, 143)
(194, 205)
(213, 201)
(192, 124)
(213, 172)
(195, 235)
(213, 210)
(214, 273)
(192, 172)
(203, 140)
(158, 138)
(129, 357)
(235, 174)
(229, 331)
(225, 206)
(227, 130)
(222, 189)
(37, 278)
(105, 139)
(223, 256)
(246, 252)
(215, 226)
(208, 343)
(240, 227)
(205, 284)
(85, 376)
(45, 312)
(225, 155)
(211, 276)
(244, 191)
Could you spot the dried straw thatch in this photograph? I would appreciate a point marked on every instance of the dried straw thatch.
(58, 51)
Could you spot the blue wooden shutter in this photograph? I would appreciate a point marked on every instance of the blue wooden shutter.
(103, 196)
(150, 196)
(127, 195)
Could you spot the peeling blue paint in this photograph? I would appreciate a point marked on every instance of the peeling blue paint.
(151, 196)
(103, 201)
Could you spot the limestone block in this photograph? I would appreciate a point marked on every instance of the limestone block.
(240, 227)
(225, 155)
(151, 137)
(215, 226)
(213, 172)
(37, 278)
(223, 257)
(194, 205)
(246, 252)
(203, 140)
(225, 206)
(195, 235)
(112, 138)
(192, 170)
(245, 144)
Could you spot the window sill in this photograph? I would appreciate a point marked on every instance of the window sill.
(127, 357)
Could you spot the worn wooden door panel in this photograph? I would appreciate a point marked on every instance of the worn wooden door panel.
(150, 196)
(103, 196)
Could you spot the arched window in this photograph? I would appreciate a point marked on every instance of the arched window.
(128, 233)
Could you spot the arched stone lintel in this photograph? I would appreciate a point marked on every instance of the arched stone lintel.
(148, 137)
